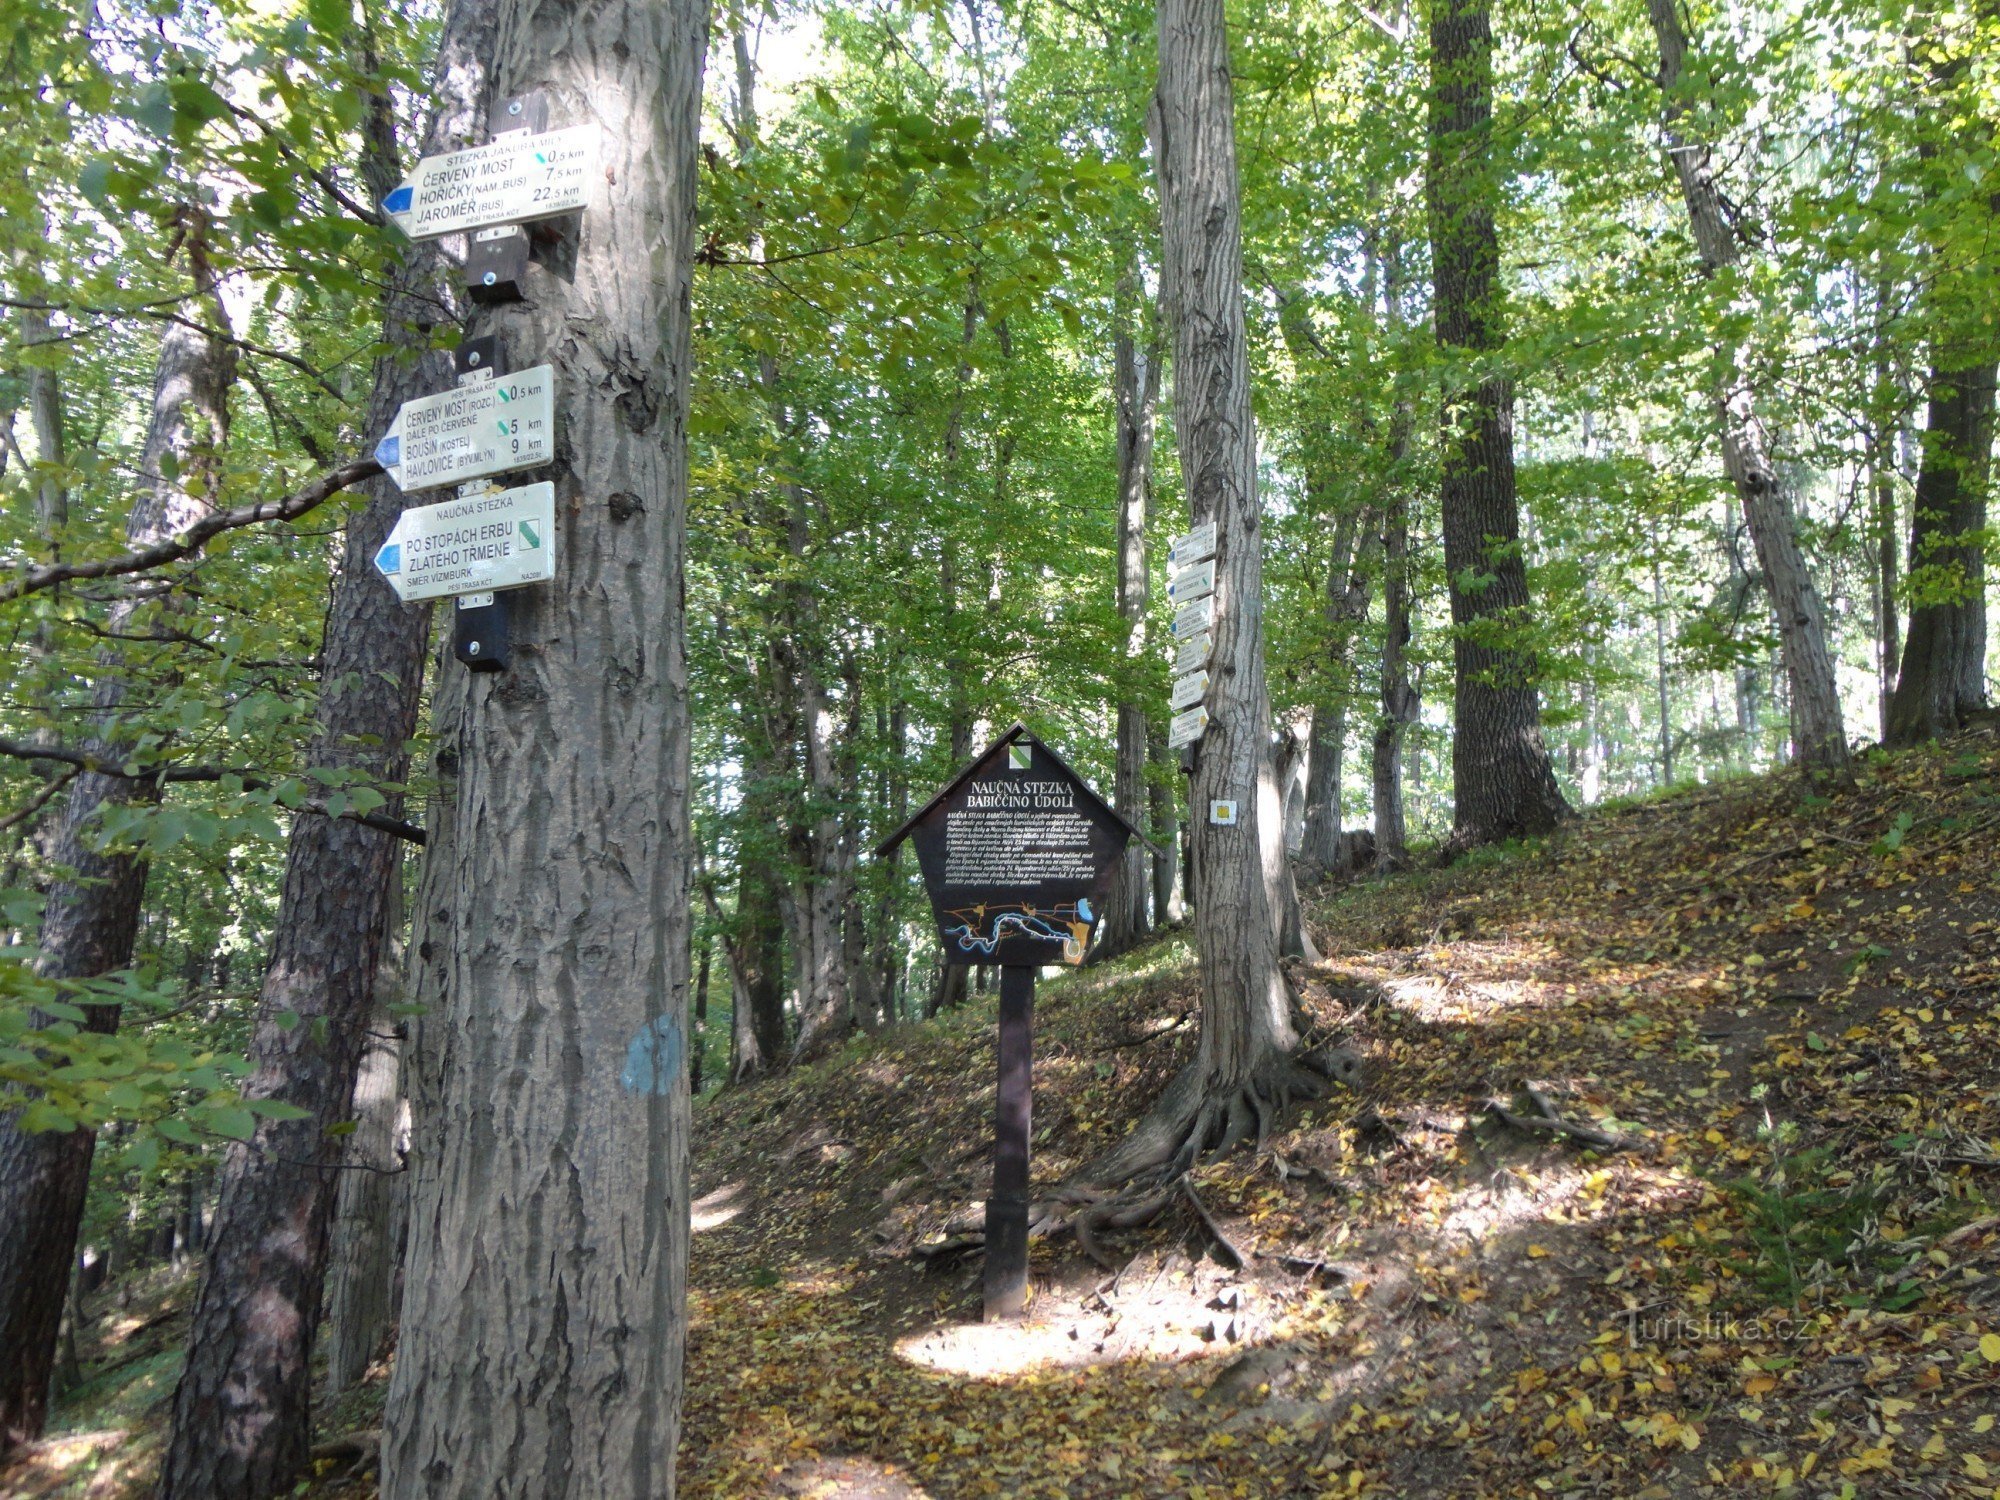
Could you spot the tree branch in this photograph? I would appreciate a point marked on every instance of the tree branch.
(84, 760)
(197, 536)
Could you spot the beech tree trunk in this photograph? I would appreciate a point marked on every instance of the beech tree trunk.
(371, 1208)
(1943, 677)
(1943, 674)
(1399, 698)
(545, 1306)
(370, 1214)
(1163, 806)
(1348, 587)
(1819, 738)
(242, 1420)
(1244, 1065)
(1503, 782)
(1135, 385)
(92, 915)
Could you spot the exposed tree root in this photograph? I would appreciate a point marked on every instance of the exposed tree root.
(1196, 1118)
(1547, 1120)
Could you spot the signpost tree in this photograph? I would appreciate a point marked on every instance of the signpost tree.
(544, 1315)
(1245, 1067)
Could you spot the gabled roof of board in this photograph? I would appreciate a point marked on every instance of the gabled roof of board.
(1015, 735)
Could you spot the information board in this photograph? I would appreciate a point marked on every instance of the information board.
(1017, 855)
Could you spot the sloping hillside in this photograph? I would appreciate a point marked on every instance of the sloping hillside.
(1760, 1254)
(1673, 1171)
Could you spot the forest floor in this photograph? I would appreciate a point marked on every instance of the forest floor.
(1766, 1260)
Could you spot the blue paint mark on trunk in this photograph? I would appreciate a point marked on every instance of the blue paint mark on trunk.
(653, 1059)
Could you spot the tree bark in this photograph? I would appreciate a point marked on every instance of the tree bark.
(92, 915)
(1503, 783)
(1135, 385)
(1349, 585)
(1399, 698)
(1163, 809)
(1819, 738)
(371, 1208)
(371, 1214)
(545, 1306)
(1943, 672)
(1244, 1065)
(1943, 676)
(242, 1421)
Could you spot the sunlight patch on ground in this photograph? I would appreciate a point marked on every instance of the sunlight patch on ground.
(712, 1210)
(1160, 1310)
(851, 1479)
(90, 1459)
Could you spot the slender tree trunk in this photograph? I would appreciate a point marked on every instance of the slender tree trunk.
(889, 959)
(1399, 699)
(371, 1211)
(92, 915)
(371, 1216)
(698, 1033)
(242, 1423)
(1346, 587)
(763, 961)
(1660, 666)
(1244, 1065)
(545, 1309)
(1135, 388)
(1163, 818)
(1503, 783)
(1819, 738)
(1349, 589)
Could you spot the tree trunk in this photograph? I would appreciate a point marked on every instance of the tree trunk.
(1349, 585)
(92, 915)
(1660, 683)
(1135, 388)
(545, 1306)
(371, 1212)
(242, 1421)
(1244, 1067)
(758, 980)
(698, 1033)
(1163, 809)
(1503, 783)
(1819, 738)
(1399, 699)
(1944, 654)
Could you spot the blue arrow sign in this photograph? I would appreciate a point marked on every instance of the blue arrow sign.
(390, 558)
(399, 201)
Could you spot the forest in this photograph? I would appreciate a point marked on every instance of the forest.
(509, 511)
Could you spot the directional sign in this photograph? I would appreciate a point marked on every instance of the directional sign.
(499, 540)
(509, 181)
(1185, 729)
(1193, 619)
(1192, 583)
(1193, 547)
(1190, 690)
(491, 427)
(1193, 655)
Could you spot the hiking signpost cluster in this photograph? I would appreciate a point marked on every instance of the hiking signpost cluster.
(488, 539)
(1191, 588)
(1017, 854)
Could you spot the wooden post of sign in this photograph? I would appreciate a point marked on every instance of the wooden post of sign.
(1007, 1209)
